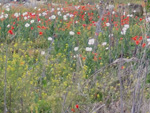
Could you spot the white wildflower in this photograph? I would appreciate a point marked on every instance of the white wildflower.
(71, 15)
(104, 43)
(123, 32)
(107, 48)
(126, 26)
(7, 9)
(134, 11)
(44, 13)
(71, 33)
(111, 35)
(76, 22)
(25, 13)
(32, 21)
(27, 25)
(76, 48)
(58, 9)
(148, 40)
(42, 52)
(148, 19)
(8, 25)
(91, 41)
(52, 17)
(88, 49)
(25, 18)
(16, 15)
(107, 24)
(50, 38)
(39, 14)
(110, 7)
(65, 17)
(113, 12)
(52, 9)
(6, 15)
(1, 16)
(124, 13)
(59, 13)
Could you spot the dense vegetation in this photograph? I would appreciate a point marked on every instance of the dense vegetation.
(75, 58)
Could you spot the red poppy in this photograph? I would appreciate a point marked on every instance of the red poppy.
(78, 33)
(31, 28)
(140, 38)
(40, 33)
(84, 58)
(99, 58)
(84, 25)
(72, 110)
(39, 26)
(77, 106)
(140, 19)
(10, 32)
(95, 59)
(12, 27)
(102, 19)
(137, 42)
(143, 45)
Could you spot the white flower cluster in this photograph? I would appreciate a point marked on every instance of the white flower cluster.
(148, 19)
(52, 17)
(71, 33)
(129, 15)
(27, 25)
(76, 48)
(88, 48)
(148, 40)
(8, 7)
(107, 24)
(3, 16)
(25, 13)
(50, 38)
(42, 52)
(17, 15)
(32, 21)
(91, 41)
(124, 29)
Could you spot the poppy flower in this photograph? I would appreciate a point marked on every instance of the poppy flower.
(95, 59)
(137, 42)
(77, 106)
(72, 110)
(84, 58)
(78, 33)
(31, 28)
(99, 58)
(140, 19)
(143, 45)
(10, 32)
(12, 27)
(40, 33)
(140, 38)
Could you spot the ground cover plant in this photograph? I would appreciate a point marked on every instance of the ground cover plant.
(79, 58)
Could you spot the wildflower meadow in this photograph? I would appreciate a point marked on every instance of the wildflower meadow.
(75, 56)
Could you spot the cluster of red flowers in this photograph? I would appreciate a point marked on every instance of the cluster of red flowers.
(95, 56)
(77, 106)
(137, 40)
